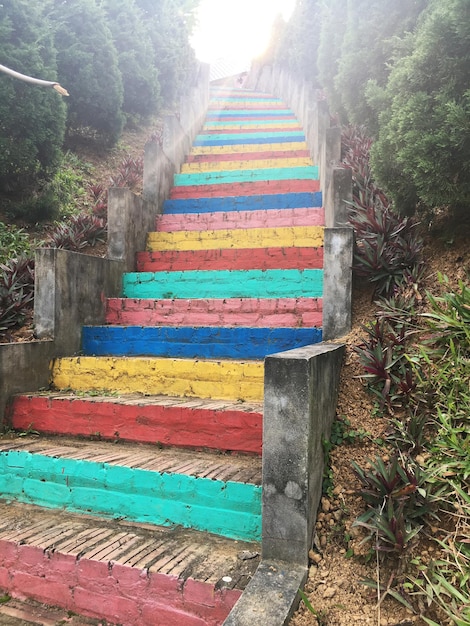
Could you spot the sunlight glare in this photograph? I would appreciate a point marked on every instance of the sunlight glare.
(236, 28)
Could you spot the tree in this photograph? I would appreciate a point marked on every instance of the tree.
(170, 23)
(372, 41)
(88, 65)
(423, 147)
(298, 45)
(135, 57)
(333, 26)
(32, 119)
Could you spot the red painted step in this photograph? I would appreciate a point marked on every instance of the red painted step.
(232, 259)
(254, 312)
(244, 189)
(209, 424)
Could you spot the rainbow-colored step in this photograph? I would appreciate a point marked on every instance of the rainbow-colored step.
(157, 426)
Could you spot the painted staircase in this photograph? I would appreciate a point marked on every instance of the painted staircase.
(134, 491)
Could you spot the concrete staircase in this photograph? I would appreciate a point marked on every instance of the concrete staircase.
(134, 491)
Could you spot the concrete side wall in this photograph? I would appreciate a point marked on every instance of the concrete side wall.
(163, 160)
(70, 291)
(23, 367)
(300, 396)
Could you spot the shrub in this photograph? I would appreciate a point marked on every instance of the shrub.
(14, 243)
(88, 66)
(32, 118)
(423, 153)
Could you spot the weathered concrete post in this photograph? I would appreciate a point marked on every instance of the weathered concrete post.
(337, 282)
(300, 393)
(337, 197)
(170, 139)
(320, 122)
(330, 155)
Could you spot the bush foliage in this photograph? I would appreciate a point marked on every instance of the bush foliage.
(116, 58)
(401, 69)
(32, 119)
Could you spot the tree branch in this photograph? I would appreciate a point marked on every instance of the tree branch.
(34, 81)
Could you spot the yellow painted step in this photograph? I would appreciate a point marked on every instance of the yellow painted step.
(249, 147)
(221, 380)
(189, 168)
(287, 237)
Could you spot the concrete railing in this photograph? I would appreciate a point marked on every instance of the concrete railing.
(324, 143)
(71, 288)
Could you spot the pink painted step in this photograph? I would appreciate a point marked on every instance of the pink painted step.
(229, 258)
(124, 573)
(314, 216)
(254, 312)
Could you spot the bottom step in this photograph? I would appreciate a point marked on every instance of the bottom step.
(125, 573)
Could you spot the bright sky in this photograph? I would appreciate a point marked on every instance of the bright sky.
(236, 29)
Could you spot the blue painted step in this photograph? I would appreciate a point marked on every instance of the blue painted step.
(244, 203)
(194, 342)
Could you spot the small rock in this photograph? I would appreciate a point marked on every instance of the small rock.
(246, 555)
(325, 505)
(329, 592)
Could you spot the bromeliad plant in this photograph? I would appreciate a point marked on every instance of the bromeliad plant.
(387, 245)
(16, 292)
(130, 173)
(398, 497)
(80, 231)
(383, 352)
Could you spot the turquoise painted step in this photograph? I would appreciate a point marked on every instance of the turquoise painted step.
(224, 284)
(208, 342)
(227, 508)
(246, 112)
(309, 172)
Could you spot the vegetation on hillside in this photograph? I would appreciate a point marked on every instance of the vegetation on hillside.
(121, 61)
(401, 70)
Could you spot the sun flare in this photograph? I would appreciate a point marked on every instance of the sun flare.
(236, 29)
